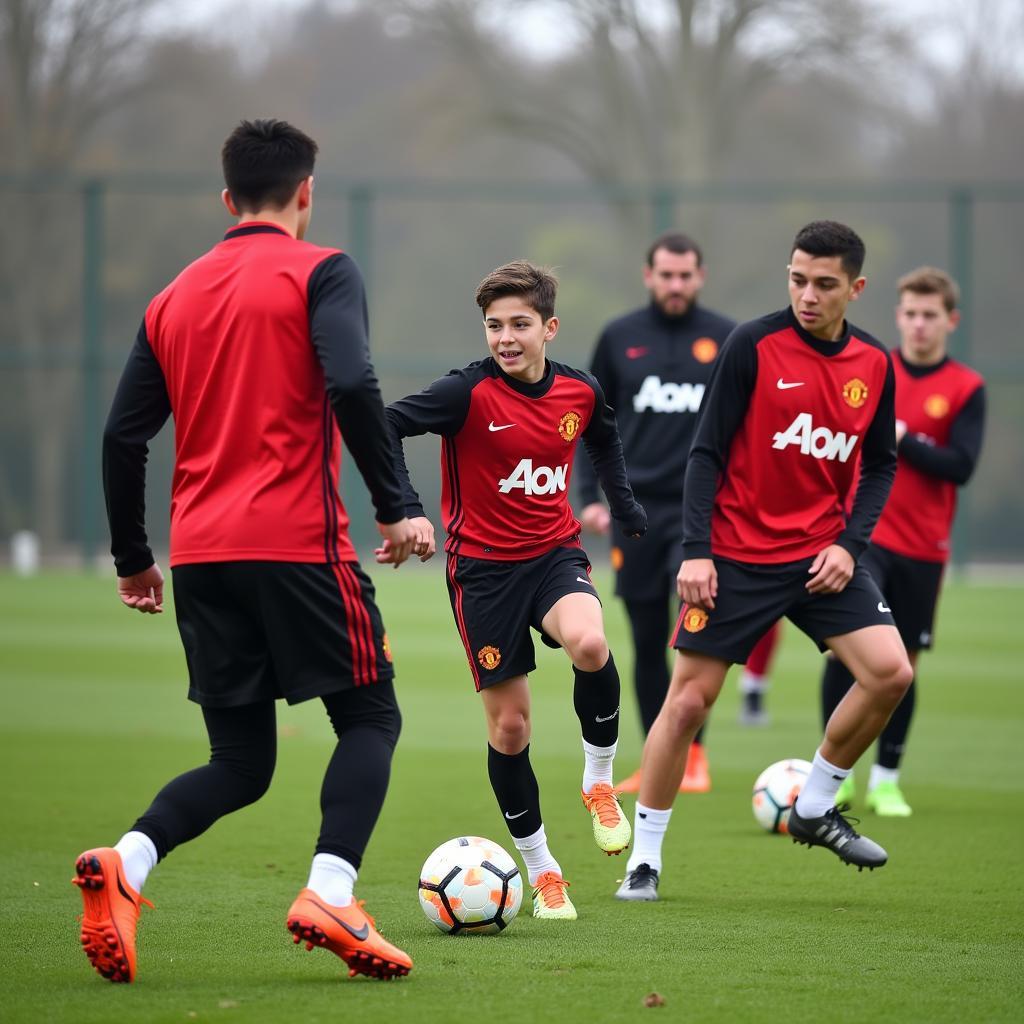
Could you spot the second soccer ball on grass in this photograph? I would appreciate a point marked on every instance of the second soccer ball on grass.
(775, 792)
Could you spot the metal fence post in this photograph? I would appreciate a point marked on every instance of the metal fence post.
(93, 201)
(961, 266)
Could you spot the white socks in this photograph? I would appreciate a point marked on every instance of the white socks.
(139, 856)
(332, 879)
(649, 825)
(597, 764)
(880, 774)
(536, 855)
(750, 683)
(819, 792)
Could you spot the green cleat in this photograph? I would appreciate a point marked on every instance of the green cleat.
(847, 791)
(550, 900)
(887, 801)
(611, 826)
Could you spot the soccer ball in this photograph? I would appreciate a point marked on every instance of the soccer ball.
(776, 790)
(470, 885)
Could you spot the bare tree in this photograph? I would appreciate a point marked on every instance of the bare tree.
(651, 91)
(64, 64)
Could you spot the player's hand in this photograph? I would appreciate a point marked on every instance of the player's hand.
(831, 570)
(595, 518)
(144, 591)
(399, 539)
(634, 524)
(697, 582)
(424, 545)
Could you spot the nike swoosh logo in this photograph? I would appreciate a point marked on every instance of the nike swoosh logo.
(882, 607)
(491, 427)
(512, 817)
(359, 934)
(786, 385)
(598, 718)
(580, 579)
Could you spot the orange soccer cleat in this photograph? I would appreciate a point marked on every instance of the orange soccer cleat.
(110, 914)
(348, 932)
(696, 778)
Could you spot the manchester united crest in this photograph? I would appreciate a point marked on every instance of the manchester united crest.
(618, 559)
(936, 406)
(386, 644)
(489, 657)
(694, 620)
(569, 425)
(704, 350)
(855, 393)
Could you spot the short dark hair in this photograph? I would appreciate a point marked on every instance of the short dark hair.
(537, 286)
(830, 238)
(264, 162)
(677, 242)
(931, 281)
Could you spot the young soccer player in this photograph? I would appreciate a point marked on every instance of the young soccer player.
(940, 419)
(653, 364)
(259, 351)
(510, 425)
(796, 399)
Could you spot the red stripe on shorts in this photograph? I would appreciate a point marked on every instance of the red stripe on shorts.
(353, 606)
(460, 621)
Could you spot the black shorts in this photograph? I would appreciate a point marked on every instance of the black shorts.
(752, 597)
(646, 567)
(257, 631)
(911, 588)
(496, 603)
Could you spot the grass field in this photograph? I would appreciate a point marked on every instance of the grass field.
(750, 927)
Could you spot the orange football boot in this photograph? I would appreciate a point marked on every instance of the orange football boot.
(348, 932)
(697, 777)
(110, 915)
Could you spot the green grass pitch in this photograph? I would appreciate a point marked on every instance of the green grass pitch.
(750, 927)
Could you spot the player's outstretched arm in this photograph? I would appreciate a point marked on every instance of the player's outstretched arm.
(399, 539)
(143, 591)
(697, 582)
(831, 570)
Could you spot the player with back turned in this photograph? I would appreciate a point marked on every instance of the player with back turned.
(510, 426)
(940, 420)
(259, 351)
(797, 400)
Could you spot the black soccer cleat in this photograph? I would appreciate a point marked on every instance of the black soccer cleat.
(833, 831)
(640, 884)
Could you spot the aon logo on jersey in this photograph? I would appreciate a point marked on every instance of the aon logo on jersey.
(667, 397)
(542, 480)
(820, 442)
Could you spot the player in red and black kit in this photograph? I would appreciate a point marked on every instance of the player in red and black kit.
(940, 420)
(796, 400)
(653, 364)
(259, 351)
(510, 425)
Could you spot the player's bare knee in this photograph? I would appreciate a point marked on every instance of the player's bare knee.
(686, 712)
(891, 680)
(589, 651)
(510, 732)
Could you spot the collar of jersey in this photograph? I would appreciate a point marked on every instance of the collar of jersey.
(537, 390)
(255, 227)
(825, 348)
(913, 370)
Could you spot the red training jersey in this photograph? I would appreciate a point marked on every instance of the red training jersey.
(943, 409)
(775, 454)
(507, 456)
(259, 350)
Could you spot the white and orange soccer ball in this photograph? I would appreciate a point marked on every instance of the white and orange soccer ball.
(470, 885)
(776, 790)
